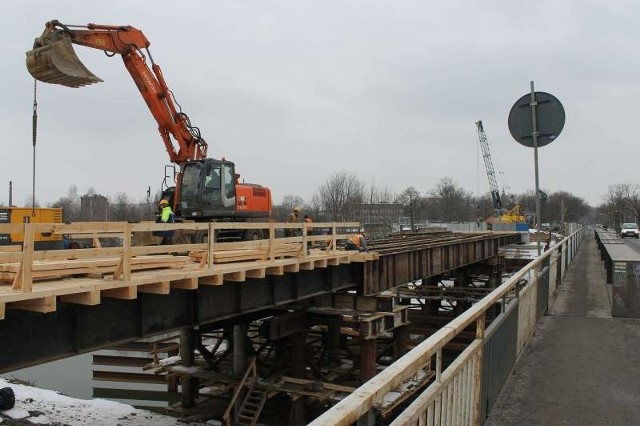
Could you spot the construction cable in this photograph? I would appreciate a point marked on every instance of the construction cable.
(34, 124)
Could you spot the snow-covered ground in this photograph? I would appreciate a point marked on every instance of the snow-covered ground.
(45, 407)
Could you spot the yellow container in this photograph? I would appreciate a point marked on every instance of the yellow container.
(27, 214)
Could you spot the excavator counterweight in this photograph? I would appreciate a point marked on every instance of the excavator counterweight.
(53, 60)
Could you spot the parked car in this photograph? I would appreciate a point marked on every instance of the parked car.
(629, 230)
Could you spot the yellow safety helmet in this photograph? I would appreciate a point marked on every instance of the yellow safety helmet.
(164, 203)
(296, 209)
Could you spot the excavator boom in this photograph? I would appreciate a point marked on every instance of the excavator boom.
(206, 188)
(53, 60)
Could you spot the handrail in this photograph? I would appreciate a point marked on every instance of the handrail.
(250, 369)
(363, 399)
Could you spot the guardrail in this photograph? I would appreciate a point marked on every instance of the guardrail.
(464, 390)
(622, 266)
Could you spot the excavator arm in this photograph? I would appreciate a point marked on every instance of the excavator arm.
(53, 60)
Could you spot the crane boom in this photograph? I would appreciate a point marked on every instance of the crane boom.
(488, 164)
(53, 60)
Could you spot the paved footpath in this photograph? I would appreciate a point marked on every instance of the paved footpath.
(582, 366)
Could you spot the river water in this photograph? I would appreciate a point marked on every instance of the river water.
(74, 377)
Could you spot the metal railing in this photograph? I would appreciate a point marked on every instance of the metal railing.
(463, 392)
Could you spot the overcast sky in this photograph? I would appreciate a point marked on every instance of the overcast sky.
(295, 90)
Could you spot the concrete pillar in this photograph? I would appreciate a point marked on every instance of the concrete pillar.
(189, 385)
(367, 359)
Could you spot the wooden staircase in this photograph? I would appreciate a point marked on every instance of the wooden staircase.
(251, 406)
(253, 401)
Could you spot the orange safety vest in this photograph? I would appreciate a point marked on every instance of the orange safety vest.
(355, 239)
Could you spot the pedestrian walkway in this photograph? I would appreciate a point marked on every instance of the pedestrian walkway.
(582, 367)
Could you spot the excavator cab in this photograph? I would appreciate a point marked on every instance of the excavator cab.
(53, 60)
(207, 189)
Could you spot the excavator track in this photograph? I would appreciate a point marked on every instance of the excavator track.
(53, 60)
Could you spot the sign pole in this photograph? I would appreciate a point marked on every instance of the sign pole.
(534, 134)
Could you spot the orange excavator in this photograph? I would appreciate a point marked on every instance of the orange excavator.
(206, 189)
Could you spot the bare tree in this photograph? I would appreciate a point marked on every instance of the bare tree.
(412, 202)
(562, 206)
(617, 203)
(282, 211)
(454, 202)
(634, 202)
(120, 208)
(484, 207)
(377, 194)
(70, 205)
(341, 196)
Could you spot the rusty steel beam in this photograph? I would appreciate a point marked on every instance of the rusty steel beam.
(284, 325)
(433, 257)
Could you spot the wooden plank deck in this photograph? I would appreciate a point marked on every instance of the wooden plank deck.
(35, 280)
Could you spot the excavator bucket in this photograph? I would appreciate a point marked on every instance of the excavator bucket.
(53, 60)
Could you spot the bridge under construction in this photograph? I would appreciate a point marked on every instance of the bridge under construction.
(244, 329)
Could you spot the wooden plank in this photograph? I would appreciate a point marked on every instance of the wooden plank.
(11, 228)
(11, 257)
(2, 310)
(42, 305)
(126, 377)
(119, 270)
(320, 263)
(212, 280)
(292, 268)
(257, 273)
(149, 226)
(26, 280)
(155, 288)
(89, 298)
(121, 361)
(272, 241)
(275, 270)
(239, 276)
(174, 248)
(210, 246)
(97, 228)
(329, 386)
(62, 265)
(185, 283)
(126, 253)
(17, 280)
(306, 266)
(73, 254)
(124, 293)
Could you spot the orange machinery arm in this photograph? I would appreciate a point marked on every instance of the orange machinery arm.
(128, 41)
